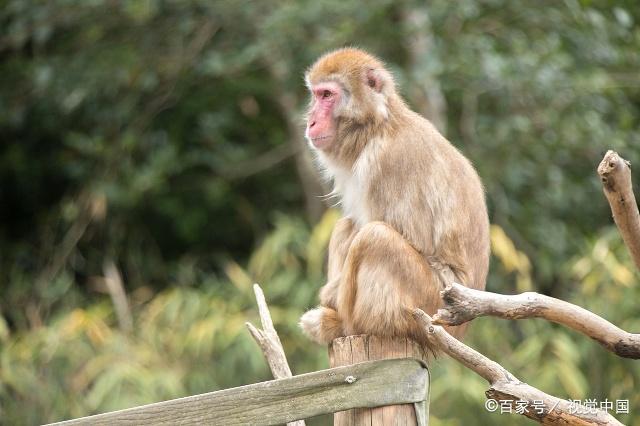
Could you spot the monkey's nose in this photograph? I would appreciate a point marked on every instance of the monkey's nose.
(313, 123)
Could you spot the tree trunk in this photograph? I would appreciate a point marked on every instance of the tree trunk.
(354, 349)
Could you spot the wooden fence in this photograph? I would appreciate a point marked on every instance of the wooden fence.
(363, 385)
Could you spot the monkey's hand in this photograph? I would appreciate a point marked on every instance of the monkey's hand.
(322, 325)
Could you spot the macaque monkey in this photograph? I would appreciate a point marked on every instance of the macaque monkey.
(414, 207)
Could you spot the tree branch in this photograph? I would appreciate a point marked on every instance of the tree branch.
(615, 173)
(426, 93)
(269, 342)
(287, 101)
(115, 286)
(261, 163)
(462, 304)
(504, 386)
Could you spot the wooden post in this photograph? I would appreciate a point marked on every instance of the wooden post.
(354, 349)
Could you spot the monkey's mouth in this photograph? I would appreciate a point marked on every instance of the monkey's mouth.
(321, 141)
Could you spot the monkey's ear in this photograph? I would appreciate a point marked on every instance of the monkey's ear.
(374, 79)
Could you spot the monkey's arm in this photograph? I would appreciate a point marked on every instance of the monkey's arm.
(339, 244)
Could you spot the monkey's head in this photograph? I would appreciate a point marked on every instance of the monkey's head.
(350, 89)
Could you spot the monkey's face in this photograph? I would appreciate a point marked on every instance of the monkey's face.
(326, 97)
(350, 89)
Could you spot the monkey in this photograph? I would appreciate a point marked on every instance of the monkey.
(413, 206)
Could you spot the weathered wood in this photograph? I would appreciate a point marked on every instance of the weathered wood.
(268, 338)
(462, 304)
(270, 343)
(353, 349)
(615, 174)
(368, 384)
(504, 386)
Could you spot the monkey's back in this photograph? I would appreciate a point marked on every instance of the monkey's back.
(424, 178)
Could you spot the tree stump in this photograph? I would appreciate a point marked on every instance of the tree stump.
(354, 349)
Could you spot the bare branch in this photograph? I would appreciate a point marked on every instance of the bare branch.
(165, 95)
(462, 304)
(269, 342)
(262, 162)
(268, 338)
(504, 386)
(91, 208)
(113, 281)
(287, 102)
(615, 173)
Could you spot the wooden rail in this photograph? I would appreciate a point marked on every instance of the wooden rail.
(362, 385)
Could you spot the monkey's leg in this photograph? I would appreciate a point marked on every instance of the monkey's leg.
(341, 238)
(383, 275)
(323, 324)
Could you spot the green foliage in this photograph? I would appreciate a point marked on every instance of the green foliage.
(157, 134)
(186, 340)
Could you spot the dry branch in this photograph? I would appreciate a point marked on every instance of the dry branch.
(615, 173)
(462, 304)
(544, 408)
(269, 342)
(115, 286)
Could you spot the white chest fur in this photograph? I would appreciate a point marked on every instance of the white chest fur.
(350, 186)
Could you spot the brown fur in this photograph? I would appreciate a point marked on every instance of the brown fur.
(413, 205)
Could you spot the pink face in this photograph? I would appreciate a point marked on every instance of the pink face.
(321, 125)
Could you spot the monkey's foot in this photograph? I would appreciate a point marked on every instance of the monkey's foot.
(322, 325)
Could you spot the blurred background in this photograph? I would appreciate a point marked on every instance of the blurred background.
(153, 167)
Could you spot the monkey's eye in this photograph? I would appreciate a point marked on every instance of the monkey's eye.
(326, 94)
